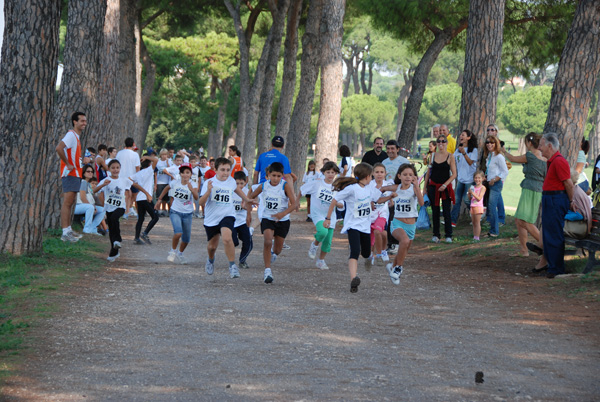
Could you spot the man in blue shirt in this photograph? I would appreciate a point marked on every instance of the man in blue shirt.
(272, 155)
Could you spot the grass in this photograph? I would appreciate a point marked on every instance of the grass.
(30, 286)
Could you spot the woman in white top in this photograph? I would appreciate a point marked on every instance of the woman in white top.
(583, 180)
(347, 162)
(496, 172)
(466, 156)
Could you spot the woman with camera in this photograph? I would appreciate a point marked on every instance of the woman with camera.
(466, 155)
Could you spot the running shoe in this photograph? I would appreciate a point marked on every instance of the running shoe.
(395, 273)
(172, 256)
(137, 240)
(144, 237)
(321, 264)
(273, 257)
(448, 239)
(209, 267)
(286, 247)
(393, 249)
(354, 284)
(453, 224)
(69, 238)
(309, 219)
(268, 278)
(113, 258)
(182, 259)
(117, 244)
(312, 251)
(75, 234)
(384, 256)
(234, 272)
(435, 239)
(369, 262)
(244, 265)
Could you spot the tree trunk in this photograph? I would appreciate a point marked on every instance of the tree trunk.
(27, 86)
(268, 90)
(106, 101)
(244, 45)
(288, 84)
(401, 100)
(231, 137)
(349, 73)
(212, 147)
(309, 72)
(225, 89)
(419, 81)
(147, 90)
(482, 66)
(594, 136)
(78, 91)
(355, 76)
(574, 83)
(328, 127)
(126, 78)
(139, 135)
(363, 72)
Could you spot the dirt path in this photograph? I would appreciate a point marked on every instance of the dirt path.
(148, 330)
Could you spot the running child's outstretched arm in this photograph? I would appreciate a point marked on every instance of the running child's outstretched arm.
(256, 192)
(202, 200)
(386, 198)
(327, 220)
(147, 194)
(289, 192)
(193, 190)
(243, 196)
(105, 183)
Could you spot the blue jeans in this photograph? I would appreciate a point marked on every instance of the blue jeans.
(460, 193)
(92, 219)
(493, 208)
(182, 223)
(554, 209)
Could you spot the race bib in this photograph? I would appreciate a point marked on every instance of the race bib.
(238, 205)
(273, 203)
(221, 196)
(402, 205)
(194, 178)
(116, 198)
(325, 195)
(182, 193)
(362, 208)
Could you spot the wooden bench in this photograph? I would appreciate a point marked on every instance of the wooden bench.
(591, 243)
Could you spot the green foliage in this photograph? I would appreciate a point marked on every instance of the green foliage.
(441, 105)
(368, 116)
(526, 110)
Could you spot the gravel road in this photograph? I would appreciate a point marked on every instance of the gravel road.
(148, 330)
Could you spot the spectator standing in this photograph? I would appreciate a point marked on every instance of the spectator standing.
(376, 155)
(496, 172)
(466, 156)
(451, 140)
(557, 196)
(273, 155)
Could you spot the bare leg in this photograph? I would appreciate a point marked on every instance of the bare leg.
(522, 230)
(65, 209)
(228, 244)
(476, 219)
(211, 246)
(278, 245)
(175, 241)
(403, 245)
(268, 239)
(352, 267)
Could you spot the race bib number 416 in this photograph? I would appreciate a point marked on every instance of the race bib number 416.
(221, 195)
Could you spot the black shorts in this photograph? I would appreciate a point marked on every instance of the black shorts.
(159, 190)
(134, 190)
(280, 228)
(212, 231)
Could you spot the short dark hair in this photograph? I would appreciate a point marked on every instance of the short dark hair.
(240, 175)
(145, 163)
(92, 150)
(178, 156)
(101, 147)
(110, 149)
(345, 151)
(128, 142)
(112, 162)
(75, 117)
(275, 167)
(330, 166)
(222, 161)
(392, 142)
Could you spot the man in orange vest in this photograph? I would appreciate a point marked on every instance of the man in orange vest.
(69, 152)
(236, 161)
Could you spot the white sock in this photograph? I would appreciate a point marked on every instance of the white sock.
(172, 250)
(66, 230)
(180, 253)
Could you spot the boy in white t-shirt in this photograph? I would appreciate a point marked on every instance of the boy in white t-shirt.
(219, 219)
(243, 219)
(145, 178)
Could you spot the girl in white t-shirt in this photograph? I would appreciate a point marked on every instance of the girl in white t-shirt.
(163, 178)
(380, 214)
(322, 191)
(358, 196)
(309, 176)
(113, 190)
(183, 192)
(406, 195)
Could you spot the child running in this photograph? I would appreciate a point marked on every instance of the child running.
(476, 194)
(219, 218)
(406, 194)
(113, 189)
(380, 215)
(358, 195)
(145, 178)
(243, 219)
(182, 190)
(309, 176)
(322, 191)
(277, 201)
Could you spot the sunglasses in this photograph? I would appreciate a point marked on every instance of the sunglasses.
(491, 129)
(490, 142)
(441, 141)
(89, 171)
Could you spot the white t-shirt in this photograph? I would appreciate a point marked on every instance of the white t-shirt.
(183, 198)
(350, 163)
(203, 170)
(114, 193)
(129, 160)
(320, 200)
(162, 177)
(195, 174)
(358, 206)
(144, 178)
(174, 170)
(391, 166)
(308, 177)
(240, 212)
(220, 202)
(405, 204)
(381, 210)
(274, 200)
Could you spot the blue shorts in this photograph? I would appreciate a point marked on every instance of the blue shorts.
(71, 184)
(182, 223)
(409, 228)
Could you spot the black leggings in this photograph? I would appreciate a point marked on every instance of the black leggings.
(360, 244)
(142, 208)
(435, 212)
(114, 230)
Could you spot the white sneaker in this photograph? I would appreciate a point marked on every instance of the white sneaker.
(75, 234)
(69, 237)
(448, 239)
(117, 244)
(273, 257)
(321, 264)
(268, 278)
(234, 272)
(182, 259)
(209, 267)
(384, 256)
(394, 273)
(285, 247)
(435, 239)
(251, 229)
(393, 249)
(132, 212)
(312, 251)
(172, 256)
(113, 258)
(369, 262)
